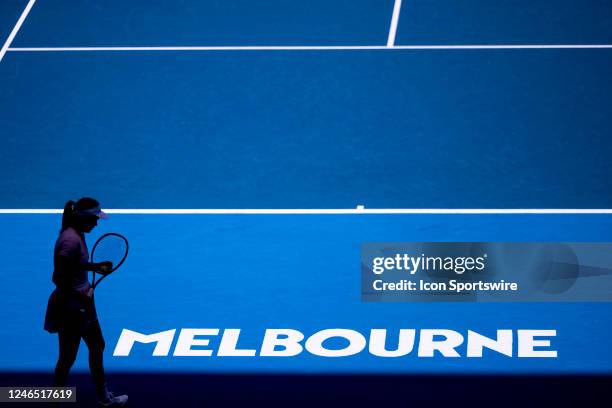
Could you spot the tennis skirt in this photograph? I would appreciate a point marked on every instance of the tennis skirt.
(69, 310)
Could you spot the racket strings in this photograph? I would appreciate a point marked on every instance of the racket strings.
(112, 248)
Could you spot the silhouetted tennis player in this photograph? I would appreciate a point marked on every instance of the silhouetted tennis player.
(71, 311)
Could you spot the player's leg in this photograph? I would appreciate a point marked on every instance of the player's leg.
(95, 342)
(69, 340)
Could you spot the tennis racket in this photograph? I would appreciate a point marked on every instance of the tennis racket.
(110, 247)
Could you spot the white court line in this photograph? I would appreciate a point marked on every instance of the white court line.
(394, 20)
(330, 211)
(11, 37)
(315, 48)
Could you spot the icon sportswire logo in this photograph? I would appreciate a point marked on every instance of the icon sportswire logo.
(197, 342)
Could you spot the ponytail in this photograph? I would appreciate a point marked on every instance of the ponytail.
(68, 215)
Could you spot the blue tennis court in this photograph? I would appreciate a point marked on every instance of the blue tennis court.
(386, 128)
(233, 141)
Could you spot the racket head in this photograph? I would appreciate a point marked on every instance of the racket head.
(111, 247)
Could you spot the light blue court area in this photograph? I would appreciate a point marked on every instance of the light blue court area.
(254, 272)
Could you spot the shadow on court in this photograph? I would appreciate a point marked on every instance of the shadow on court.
(204, 390)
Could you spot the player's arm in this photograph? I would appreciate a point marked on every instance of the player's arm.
(70, 264)
(100, 267)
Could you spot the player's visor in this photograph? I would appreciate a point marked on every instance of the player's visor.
(97, 211)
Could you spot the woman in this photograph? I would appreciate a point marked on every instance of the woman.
(71, 311)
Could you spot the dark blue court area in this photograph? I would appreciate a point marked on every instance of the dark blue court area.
(390, 128)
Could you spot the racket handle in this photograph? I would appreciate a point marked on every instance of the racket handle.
(90, 292)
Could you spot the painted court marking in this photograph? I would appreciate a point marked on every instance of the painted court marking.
(11, 36)
(394, 20)
(315, 48)
(358, 210)
(390, 43)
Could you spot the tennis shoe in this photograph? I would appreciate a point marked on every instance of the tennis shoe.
(110, 400)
